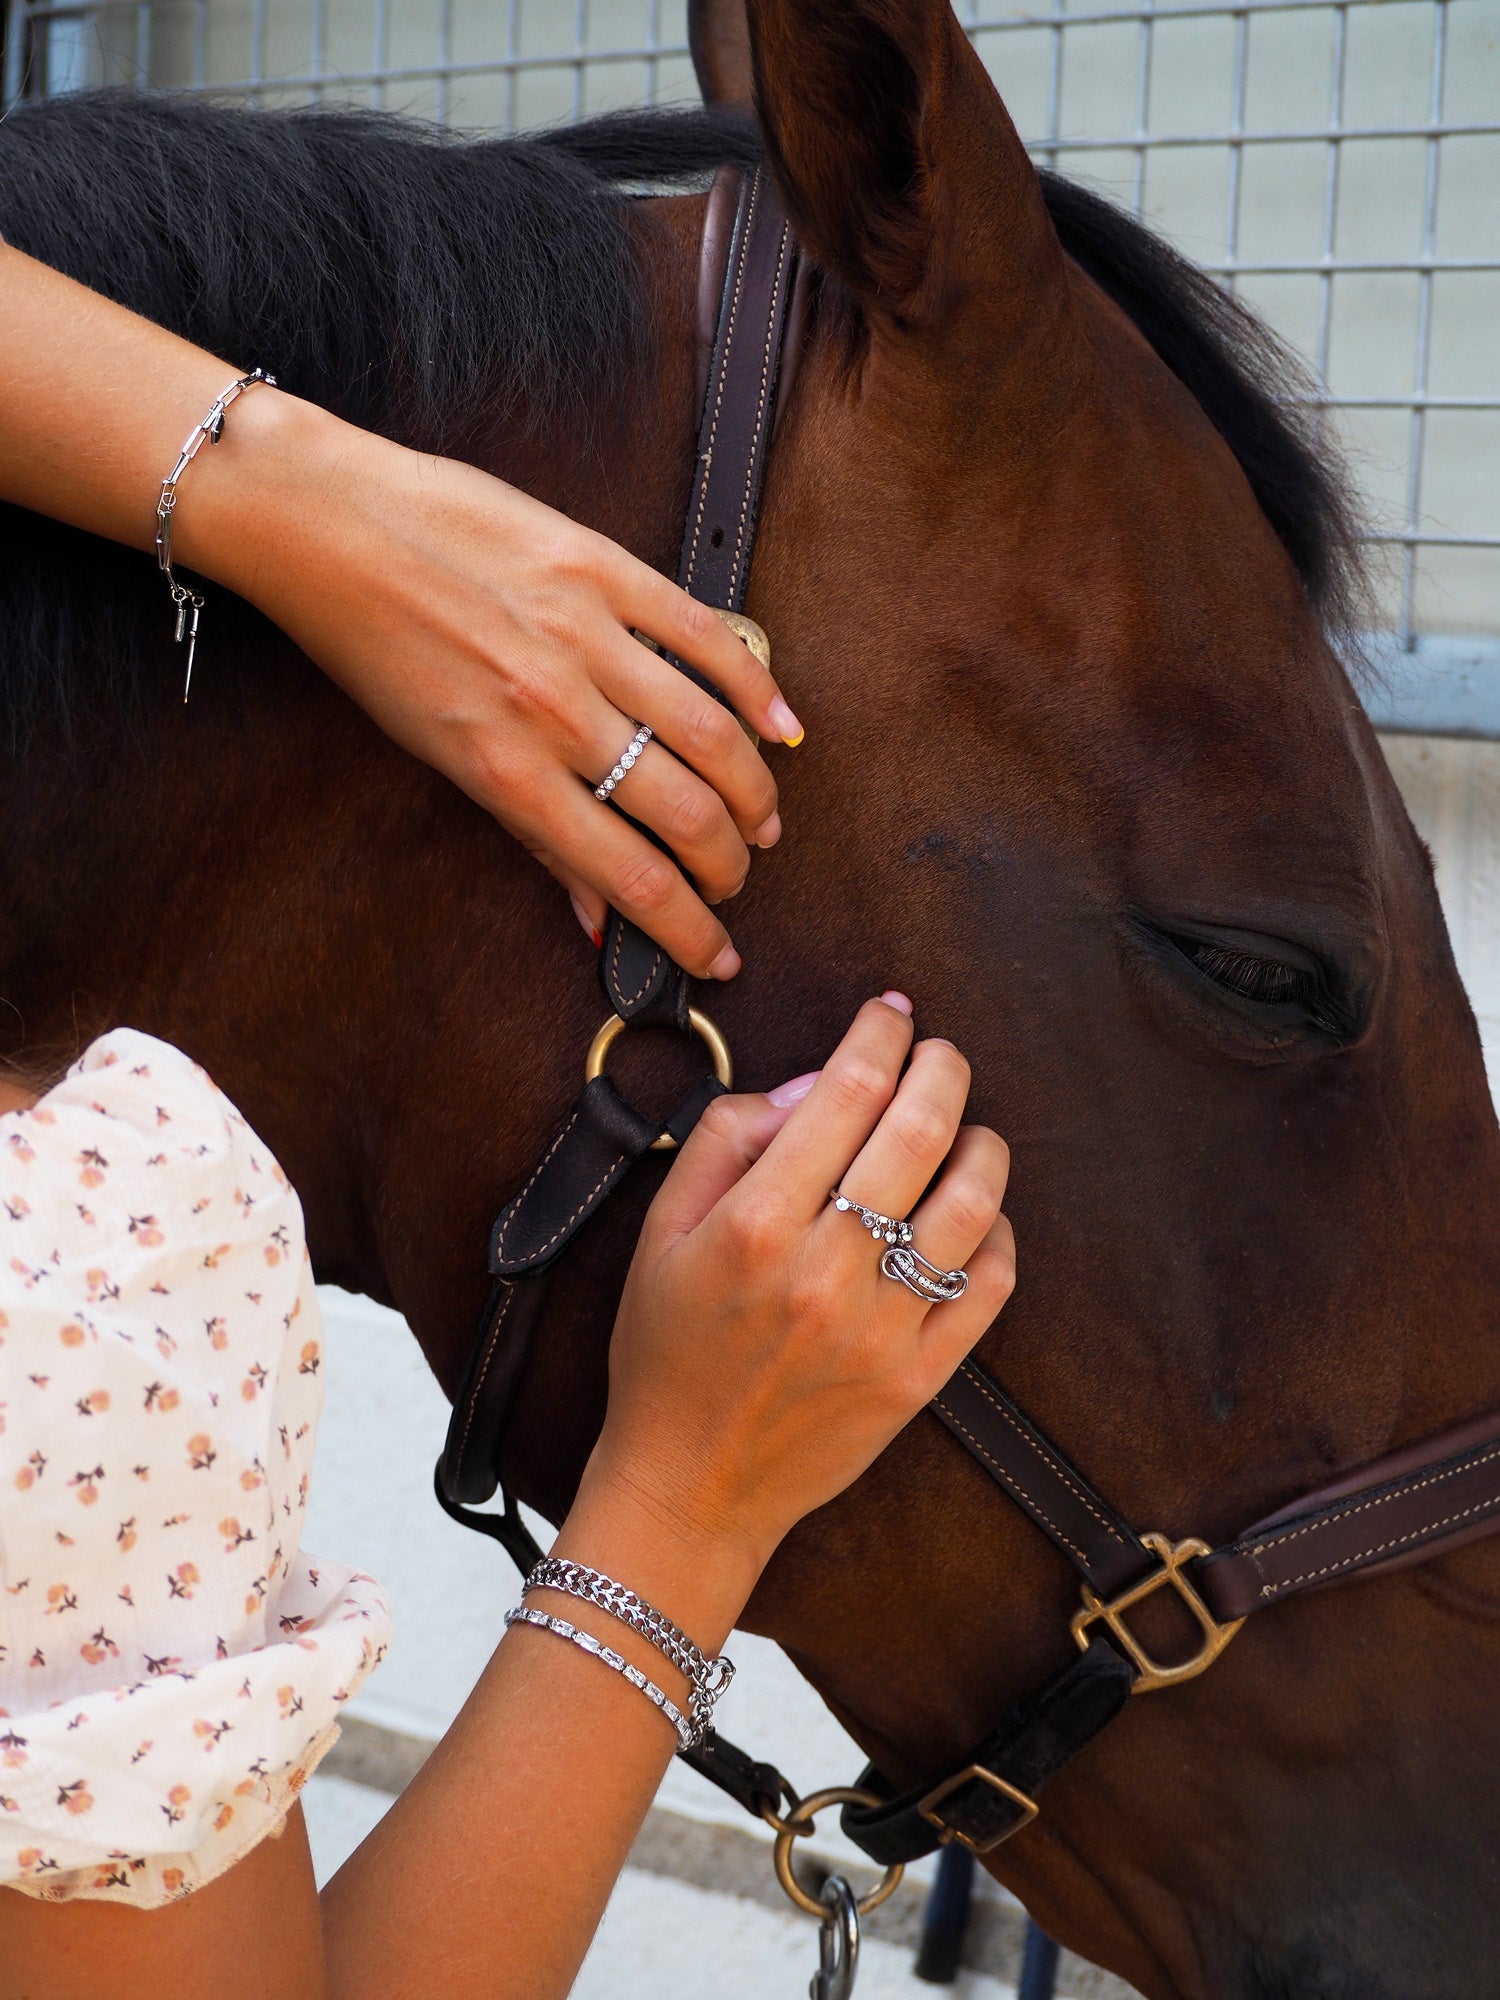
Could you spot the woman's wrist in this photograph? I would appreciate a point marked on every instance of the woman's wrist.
(699, 1577)
(250, 509)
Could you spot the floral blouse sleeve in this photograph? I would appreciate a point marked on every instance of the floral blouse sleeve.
(172, 1664)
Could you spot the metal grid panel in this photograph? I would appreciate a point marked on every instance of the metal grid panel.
(1337, 161)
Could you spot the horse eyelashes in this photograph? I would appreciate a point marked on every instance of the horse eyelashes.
(1266, 982)
(1264, 979)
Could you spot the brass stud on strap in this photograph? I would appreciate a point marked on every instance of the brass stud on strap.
(707, 1033)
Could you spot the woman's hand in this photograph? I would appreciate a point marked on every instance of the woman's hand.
(761, 1359)
(484, 632)
(491, 636)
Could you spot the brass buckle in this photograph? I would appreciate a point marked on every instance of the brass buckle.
(1152, 1674)
(707, 1033)
(1012, 1792)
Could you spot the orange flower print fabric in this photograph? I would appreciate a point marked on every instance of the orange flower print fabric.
(172, 1665)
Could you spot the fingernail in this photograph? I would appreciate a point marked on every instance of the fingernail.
(897, 1000)
(795, 1091)
(590, 930)
(786, 725)
(726, 965)
(770, 833)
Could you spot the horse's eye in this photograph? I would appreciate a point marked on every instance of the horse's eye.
(1264, 979)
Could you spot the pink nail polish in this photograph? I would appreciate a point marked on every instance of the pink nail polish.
(897, 1000)
(793, 1092)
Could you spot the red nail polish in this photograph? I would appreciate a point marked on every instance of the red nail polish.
(598, 937)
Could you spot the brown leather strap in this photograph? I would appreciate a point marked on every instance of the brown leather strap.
(1397, 1510)
(640, 980)
(603, 1136)
(1099, 1544)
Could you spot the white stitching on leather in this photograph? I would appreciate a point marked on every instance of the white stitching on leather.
(767, 355)
(706, 462)
(489, 1355)
(1009, 1479)
(611, 1173)
(1416, 1535)
(629, 999)
(971, 1376)
(1380, 1500)
(541, 1164)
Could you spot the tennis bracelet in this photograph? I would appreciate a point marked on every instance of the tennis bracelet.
(707, 1678)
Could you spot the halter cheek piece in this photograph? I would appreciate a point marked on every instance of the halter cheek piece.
(1402, 1509)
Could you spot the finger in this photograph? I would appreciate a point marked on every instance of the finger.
(691, 818)
(683, 626)
(589, 907)
(638, 879)
(813, 1150)
(950, 1331)
(699, 730)
(913, 1139)
(962, 1209)
(722, 1147)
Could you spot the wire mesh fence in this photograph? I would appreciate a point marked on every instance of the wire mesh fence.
(1335, 161)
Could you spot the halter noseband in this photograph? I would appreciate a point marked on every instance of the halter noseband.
(1405, 1508)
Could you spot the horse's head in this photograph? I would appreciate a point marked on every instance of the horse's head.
(1083, 773)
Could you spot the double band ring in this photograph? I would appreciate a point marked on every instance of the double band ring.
(901, 1259)
(626, 764)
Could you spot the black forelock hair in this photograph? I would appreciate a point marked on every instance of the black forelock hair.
(432, 286)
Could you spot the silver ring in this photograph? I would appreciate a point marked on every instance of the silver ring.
(628, 756)
(884, 1228)
(901, 1259)
(932, 1284)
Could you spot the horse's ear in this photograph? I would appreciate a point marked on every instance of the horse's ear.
(900, 166)
(719, 37)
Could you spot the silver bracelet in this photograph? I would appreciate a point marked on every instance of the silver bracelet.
(189, 602)
(708, 1678)
(520, 1615)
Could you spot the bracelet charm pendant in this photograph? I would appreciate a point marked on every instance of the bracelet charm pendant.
(190, 602)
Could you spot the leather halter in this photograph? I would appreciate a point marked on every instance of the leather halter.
(1405, 1508)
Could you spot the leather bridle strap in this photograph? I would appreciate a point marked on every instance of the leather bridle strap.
(602, 1137)
(1404, 1508)
(641, 982)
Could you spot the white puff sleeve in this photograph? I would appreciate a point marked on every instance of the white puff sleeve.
(171, 1664)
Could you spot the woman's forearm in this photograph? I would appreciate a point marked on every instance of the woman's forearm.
(497, 1861)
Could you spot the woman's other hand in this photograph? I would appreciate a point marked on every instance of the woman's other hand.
(761, 1359)
(491, 636)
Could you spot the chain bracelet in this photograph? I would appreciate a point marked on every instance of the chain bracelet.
(586, 1642)
(707, 1677)
(189, 602)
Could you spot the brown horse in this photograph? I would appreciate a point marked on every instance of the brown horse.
(1082, 775)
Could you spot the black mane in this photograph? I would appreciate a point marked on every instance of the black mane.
(411, 279)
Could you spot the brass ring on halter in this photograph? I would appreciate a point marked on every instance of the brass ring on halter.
(707, 1033)
(798, 1822)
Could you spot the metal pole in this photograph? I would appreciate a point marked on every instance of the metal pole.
(1038, 1979)
(945, 1921)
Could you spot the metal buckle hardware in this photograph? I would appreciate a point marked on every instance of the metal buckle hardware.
(1153, 1674)
(935, 1797)
(706, 1032)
